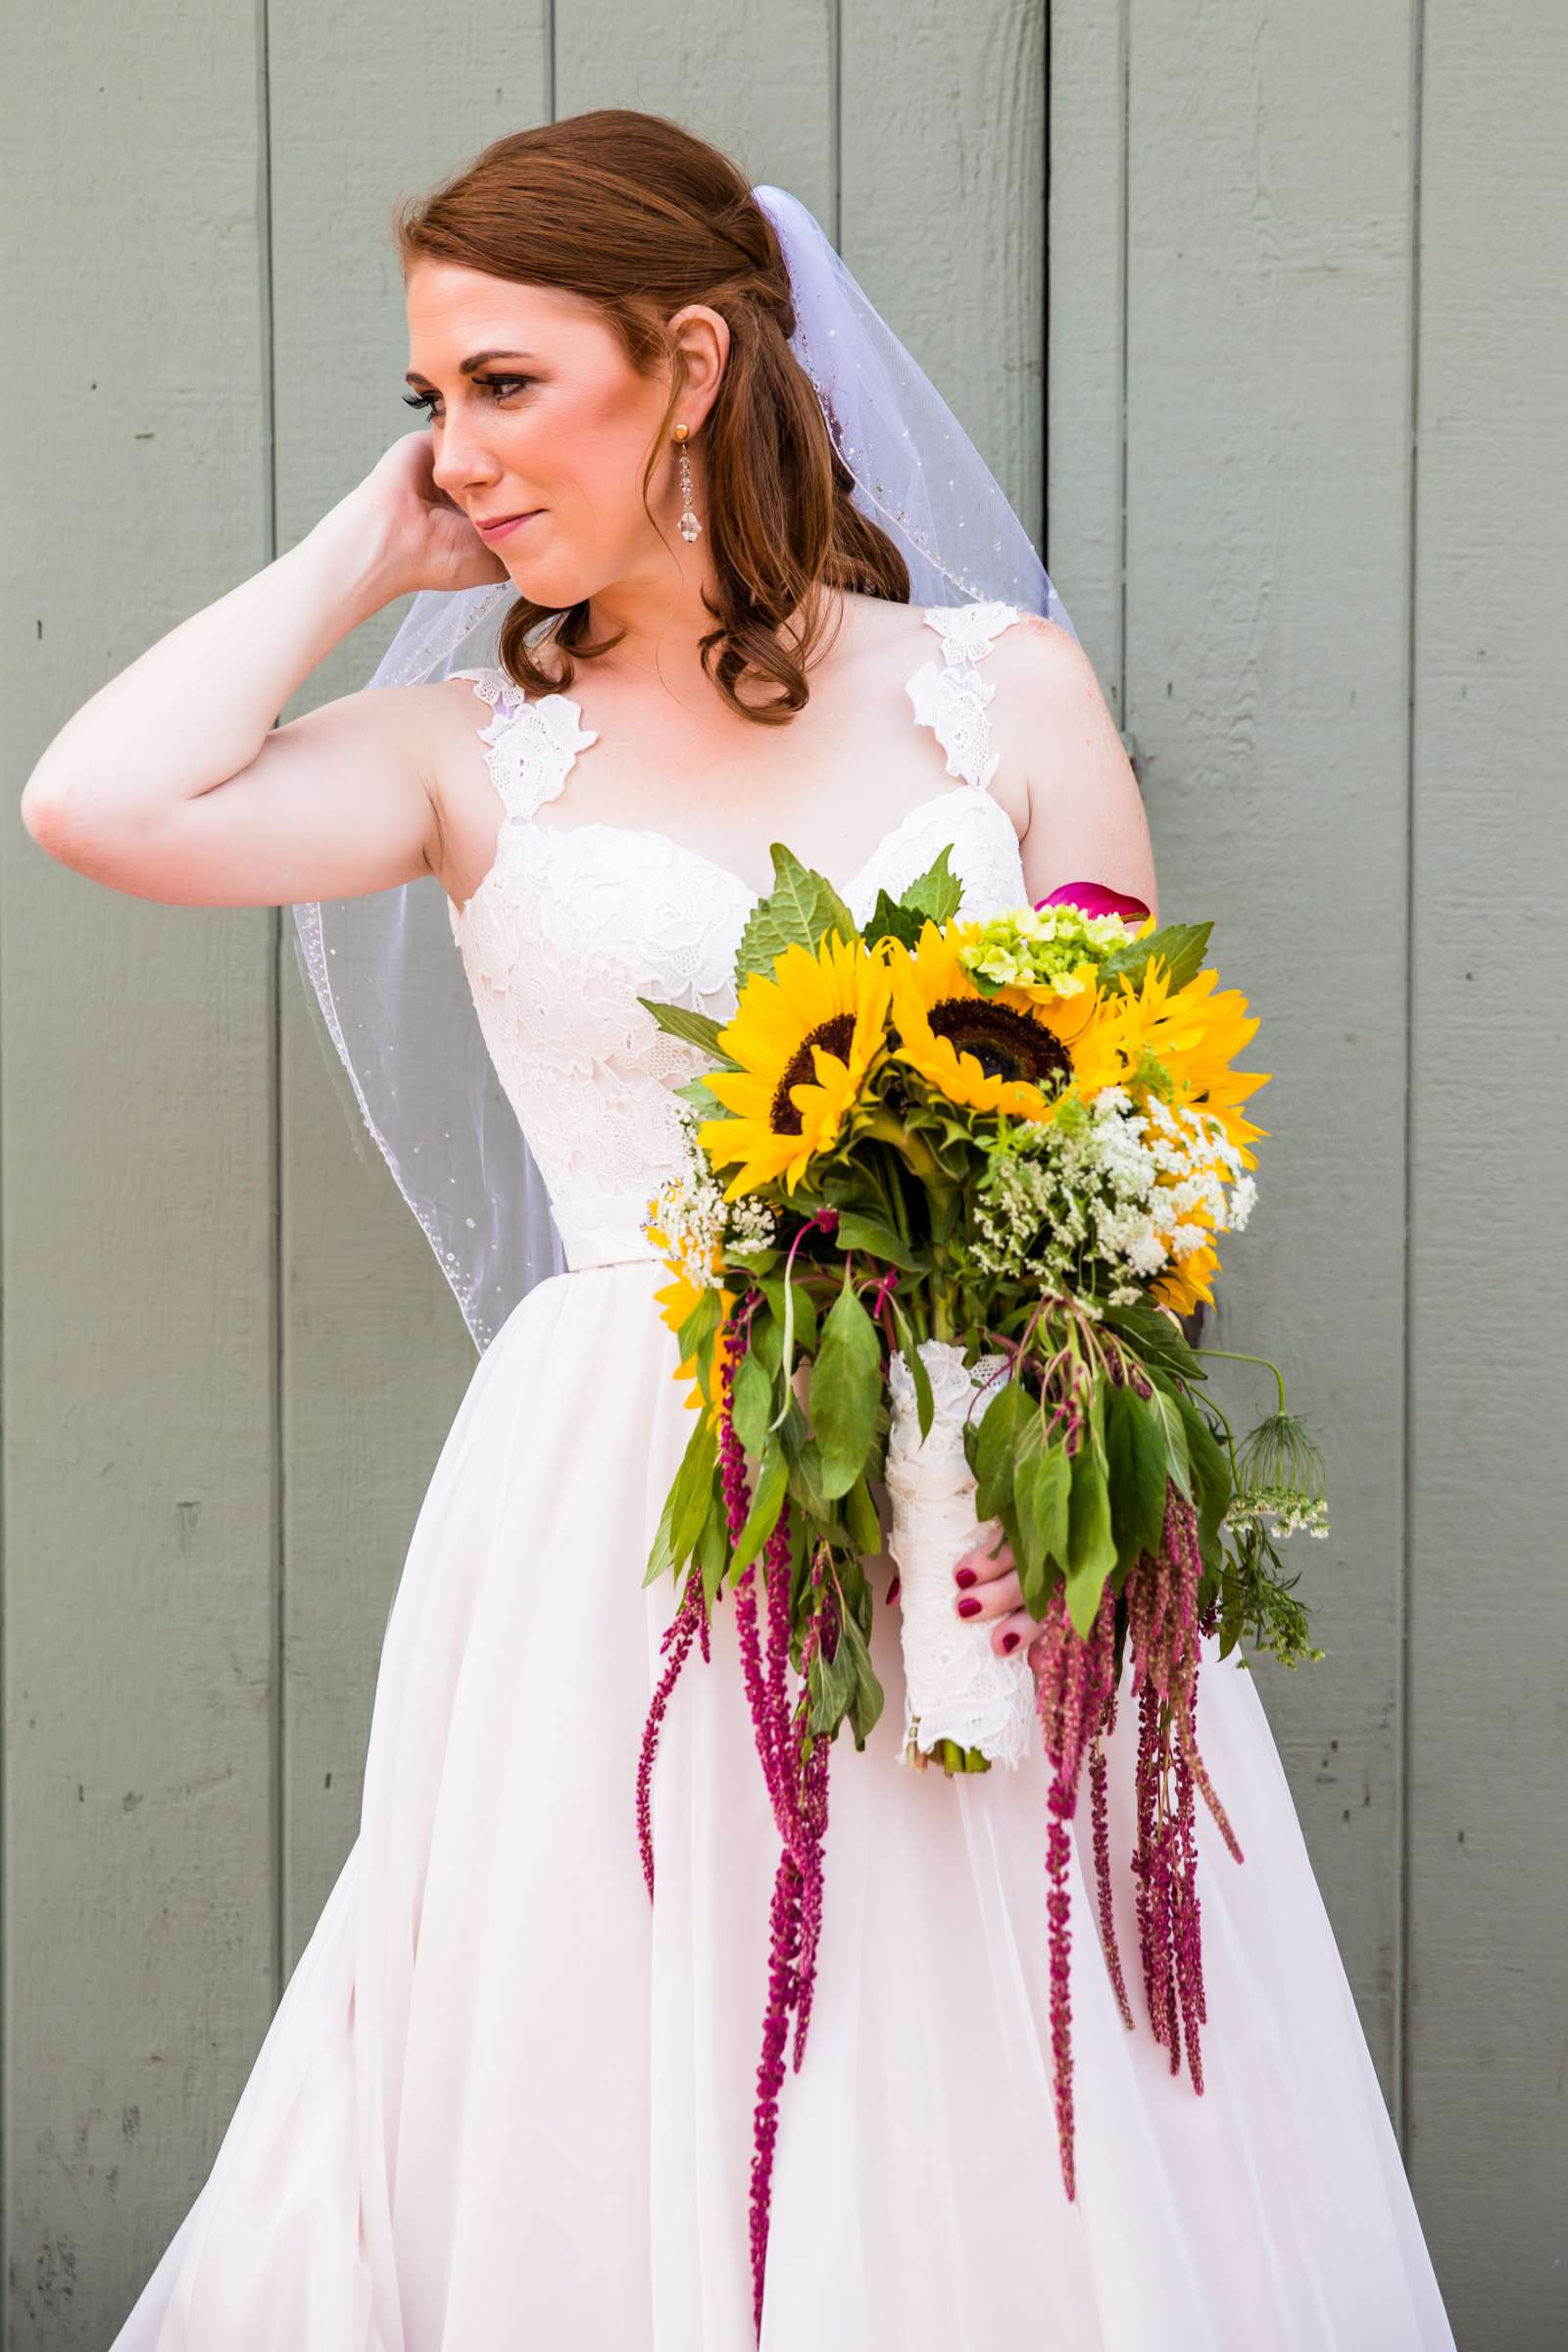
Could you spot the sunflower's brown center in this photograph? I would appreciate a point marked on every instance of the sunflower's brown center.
(1006, 1043)
(834, 1038)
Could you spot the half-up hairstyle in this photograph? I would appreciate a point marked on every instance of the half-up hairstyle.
(640, 218)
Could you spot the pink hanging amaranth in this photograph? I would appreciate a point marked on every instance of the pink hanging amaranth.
(1076, 1704)
(796, 1784)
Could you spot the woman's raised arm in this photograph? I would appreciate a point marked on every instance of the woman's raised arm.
(171, 782)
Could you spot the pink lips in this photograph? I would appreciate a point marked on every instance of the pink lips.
(508, 522)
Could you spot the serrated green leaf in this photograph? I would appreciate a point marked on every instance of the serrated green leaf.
(802, 906)
(938, 893)
(889, 921)
(1181, 947)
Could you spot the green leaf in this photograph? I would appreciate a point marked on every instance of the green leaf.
(1181, 945)
(994, 1443)
(752, 1400)
(800, 910)
(865, 1703)
(1210, 1470)
(662, 1552)
(846, 1388)
(889, 921)
(1156, 1340)
(860, 1231)
(861, 1518)
(713, 1550)
(937, 893)
(925, 1404)
(833, 1683)
(804, 1336)
(696, 1464)
(1092, 1548)
(698, 1029)
(767, 1499)
(1173, 1436)
(1135, 1446)
(1042, 1485)
(806, 1481)
(697, 1488)
(700, 1324)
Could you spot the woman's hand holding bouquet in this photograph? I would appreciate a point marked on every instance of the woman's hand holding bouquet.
(951, 1185)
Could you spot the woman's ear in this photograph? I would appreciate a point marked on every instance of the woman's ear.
(702, 337)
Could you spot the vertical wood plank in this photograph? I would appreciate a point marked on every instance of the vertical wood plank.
(375, 1356)
(138, 1189)
(1266, 643)
(1086, 223)
(756, 78)
(942, 209)
(1488, 1847)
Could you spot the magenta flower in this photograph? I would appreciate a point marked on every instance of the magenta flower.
(1095, 898)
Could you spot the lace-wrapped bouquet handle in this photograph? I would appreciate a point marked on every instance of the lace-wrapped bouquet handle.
(950, 1187)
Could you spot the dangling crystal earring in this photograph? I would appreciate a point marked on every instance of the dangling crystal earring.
(689, 524)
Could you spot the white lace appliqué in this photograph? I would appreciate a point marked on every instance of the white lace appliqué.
(952, 700)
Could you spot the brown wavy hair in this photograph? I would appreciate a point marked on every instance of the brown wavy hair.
(640, 217)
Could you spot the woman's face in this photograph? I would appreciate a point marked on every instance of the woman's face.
(536, 410)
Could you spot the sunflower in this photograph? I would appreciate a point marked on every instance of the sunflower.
(677, 1301)
(1192, 1032)
(806, 1038)
(1011, 1052)
(1183, 1284)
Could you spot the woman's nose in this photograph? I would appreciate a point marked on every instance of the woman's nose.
(461, 466)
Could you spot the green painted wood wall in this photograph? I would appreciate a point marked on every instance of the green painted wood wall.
(1283, 362)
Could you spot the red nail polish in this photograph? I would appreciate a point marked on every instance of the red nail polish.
(970, 1607)
(1009, 1640)
(964, 1576)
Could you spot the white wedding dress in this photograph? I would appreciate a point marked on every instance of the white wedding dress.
(505, 2102)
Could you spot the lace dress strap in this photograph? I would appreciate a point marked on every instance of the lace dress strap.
(530, 746)
(951, 698)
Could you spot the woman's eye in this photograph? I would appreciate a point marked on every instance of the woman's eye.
(496, 385)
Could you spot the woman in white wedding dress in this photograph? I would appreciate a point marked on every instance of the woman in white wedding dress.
(505, 2102)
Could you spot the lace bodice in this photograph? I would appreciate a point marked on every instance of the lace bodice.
(572, 923)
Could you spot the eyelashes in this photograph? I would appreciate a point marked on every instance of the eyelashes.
(493, 384)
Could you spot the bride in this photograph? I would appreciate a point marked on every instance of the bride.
(702, 562)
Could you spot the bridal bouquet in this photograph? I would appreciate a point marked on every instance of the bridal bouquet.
(950, 1187)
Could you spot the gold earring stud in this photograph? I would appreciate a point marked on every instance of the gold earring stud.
(689, 524)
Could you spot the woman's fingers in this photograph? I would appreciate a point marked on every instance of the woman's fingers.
(989, 1591)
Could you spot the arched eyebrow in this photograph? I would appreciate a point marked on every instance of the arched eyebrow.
(467, 366)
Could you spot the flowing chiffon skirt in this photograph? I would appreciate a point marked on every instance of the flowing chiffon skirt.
(506, 2102)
